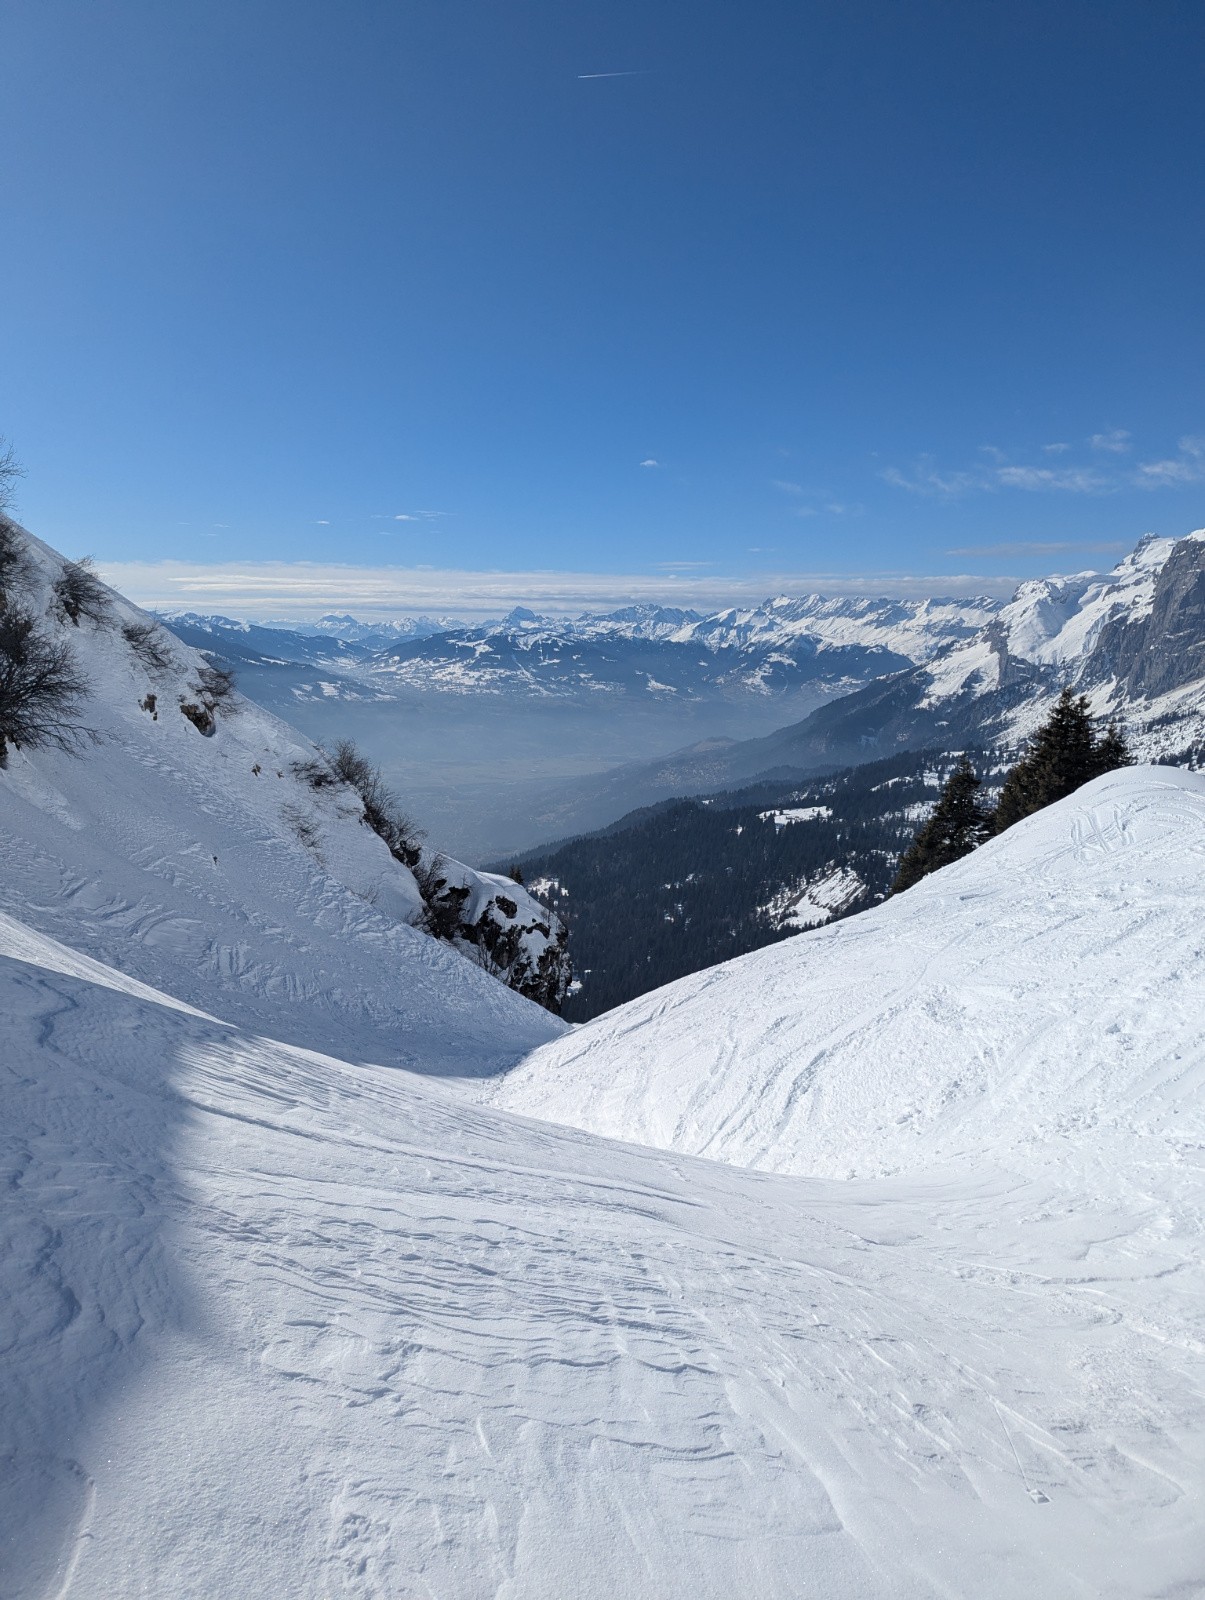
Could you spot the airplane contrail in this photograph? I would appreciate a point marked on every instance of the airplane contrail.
(638, 73)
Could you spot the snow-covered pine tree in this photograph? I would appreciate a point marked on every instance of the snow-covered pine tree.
(1063, 754)
(959, 824)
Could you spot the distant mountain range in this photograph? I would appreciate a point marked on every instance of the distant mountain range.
(818, 683)
(654, 651)
(1133, 640)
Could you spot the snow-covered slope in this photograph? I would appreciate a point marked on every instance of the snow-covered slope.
(211, 865)
(278, 1318)
(274, 1324)
(1041, 999)
(914, 629)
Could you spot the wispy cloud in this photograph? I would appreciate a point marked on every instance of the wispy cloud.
(408, 516)
(1067, 480)
(282, 590)
(1094, 477)
(637, 72)
(1116, 442)
(650, 462)
(1186, 467)
(926, 479)
(785, 486)
(1028, 549)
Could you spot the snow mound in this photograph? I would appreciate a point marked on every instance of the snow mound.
(1042, 996)
(276, 1324)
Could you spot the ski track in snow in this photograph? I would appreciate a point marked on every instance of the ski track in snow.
(269, 1313)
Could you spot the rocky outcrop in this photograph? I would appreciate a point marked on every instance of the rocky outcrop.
(1171, 650)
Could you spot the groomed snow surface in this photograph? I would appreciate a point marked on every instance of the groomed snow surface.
(284, 1310)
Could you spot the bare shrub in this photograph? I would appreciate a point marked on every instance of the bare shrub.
(350, 767)
(149, 643)
(16, 569)
(80, 593)
(10, 470)
(303, 827)
(382, 809)
(41, 689)
(314, 772)
(443, 902)
(217, 686)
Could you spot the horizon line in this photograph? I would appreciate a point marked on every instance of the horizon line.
(306, 590)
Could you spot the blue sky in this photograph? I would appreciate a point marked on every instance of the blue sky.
(848, 289)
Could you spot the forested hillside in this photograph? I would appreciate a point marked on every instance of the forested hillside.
(667, 891)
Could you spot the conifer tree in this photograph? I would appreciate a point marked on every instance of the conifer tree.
(1111, 752)
(1064, 754)
(959, 824)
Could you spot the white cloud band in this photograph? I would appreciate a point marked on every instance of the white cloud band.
(302, 590)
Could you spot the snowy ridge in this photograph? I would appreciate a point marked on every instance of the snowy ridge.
(761, 650)
(915, 629)
(1054, 621)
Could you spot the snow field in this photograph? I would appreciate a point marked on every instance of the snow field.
(277, 1324)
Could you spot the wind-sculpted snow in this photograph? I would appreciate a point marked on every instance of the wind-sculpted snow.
(274, 1324)
(1041, 999)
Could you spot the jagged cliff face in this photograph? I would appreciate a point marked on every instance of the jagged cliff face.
(1133, 640)
(1155, 654)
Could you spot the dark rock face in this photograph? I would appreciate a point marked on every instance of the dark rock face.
(1117, 649)
(1172, 651)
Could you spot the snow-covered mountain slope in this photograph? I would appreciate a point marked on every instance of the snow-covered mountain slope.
(1133, 640)
(1039, 1001)
(769, 649)
(210, 864)
(275, 1324)
(915, 629)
